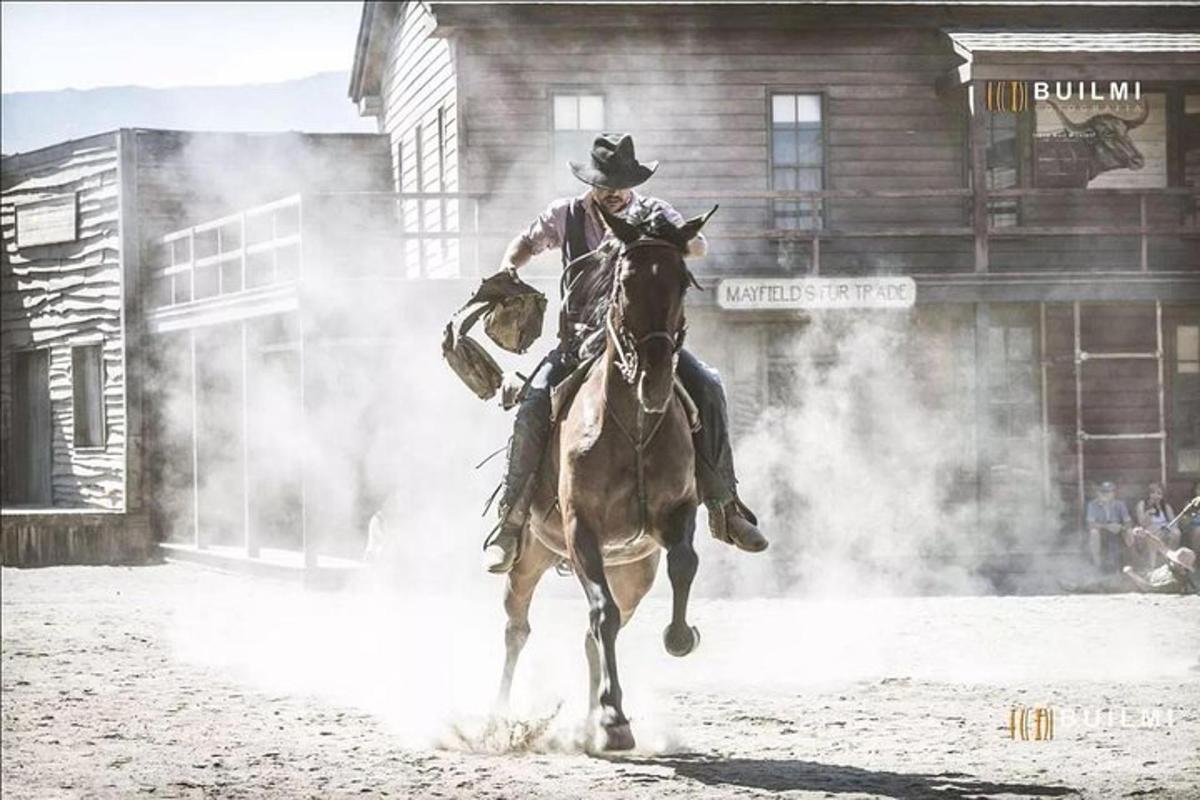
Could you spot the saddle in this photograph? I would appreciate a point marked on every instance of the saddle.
(562, 393)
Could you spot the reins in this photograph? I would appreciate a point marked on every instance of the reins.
(627, 359)
(629, 365)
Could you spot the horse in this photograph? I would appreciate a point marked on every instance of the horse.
(617, 484)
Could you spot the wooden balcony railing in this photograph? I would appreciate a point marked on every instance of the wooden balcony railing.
(257, 247)
(452, 234)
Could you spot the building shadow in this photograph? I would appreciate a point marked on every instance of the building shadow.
(780, 775)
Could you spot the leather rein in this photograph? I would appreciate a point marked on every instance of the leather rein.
(628, 364)
(625, 345)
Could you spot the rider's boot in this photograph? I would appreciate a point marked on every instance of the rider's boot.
(501, 549)
(530, 432)
(729, 520)
(733, 523)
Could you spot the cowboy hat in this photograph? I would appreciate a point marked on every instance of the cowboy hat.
(613, 165)
(1183, 557)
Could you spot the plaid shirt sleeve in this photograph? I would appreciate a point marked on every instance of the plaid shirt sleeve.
(548, 229)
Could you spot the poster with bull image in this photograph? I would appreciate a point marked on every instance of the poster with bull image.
(1113, 144)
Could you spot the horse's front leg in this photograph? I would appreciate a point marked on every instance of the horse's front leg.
(680, 638)
(535, 559)
(605, 622)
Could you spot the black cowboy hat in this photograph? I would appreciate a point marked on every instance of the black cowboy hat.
(614, 165)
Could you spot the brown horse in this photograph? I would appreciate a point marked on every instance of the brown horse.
(618, 480)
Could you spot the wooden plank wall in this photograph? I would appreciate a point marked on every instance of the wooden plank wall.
(186, 178)
(698, 102)
(1118, 397)
(58, 295)
(420, 118)
(44, 540)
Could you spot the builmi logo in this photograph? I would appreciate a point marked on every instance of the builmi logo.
(1031, 724)
(1015, 96)
(1011, 96)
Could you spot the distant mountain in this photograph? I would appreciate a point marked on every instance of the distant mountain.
(316, 104)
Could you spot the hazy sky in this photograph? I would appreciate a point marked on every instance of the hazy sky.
(85, 45)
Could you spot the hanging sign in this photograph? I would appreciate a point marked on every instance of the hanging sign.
(762, 294)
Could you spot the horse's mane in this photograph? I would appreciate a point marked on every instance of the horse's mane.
(605, 262)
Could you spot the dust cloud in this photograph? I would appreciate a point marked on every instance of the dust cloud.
(859, 474)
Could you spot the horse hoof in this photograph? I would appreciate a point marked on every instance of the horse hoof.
(681, 645)
(617, 737)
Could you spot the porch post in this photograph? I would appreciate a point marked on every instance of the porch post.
(982, 416)
(198, 539)
(247, 525)
(979, 205)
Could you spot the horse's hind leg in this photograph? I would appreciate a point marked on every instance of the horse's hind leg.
(605, 619)
(629, 583)
(680, 638)
(535, 559)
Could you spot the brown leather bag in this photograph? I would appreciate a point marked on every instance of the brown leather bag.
(512, 312)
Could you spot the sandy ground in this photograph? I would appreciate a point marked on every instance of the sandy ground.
(173, 681)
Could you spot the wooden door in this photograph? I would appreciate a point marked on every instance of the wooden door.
(30, 465)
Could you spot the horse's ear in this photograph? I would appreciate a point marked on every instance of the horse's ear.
(693, 225)
(621, 229)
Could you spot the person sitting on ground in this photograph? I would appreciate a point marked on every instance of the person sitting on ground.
(1109, 525)
(1191, 522)
(1154, 514)
(1174, 576)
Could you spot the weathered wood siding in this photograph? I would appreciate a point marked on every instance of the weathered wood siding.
(73, 537)
(420, 118)
(64, 294)
(699, 101)
(1119, 396)
(187, 178)
(696, 97)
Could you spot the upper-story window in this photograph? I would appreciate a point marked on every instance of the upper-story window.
(1190, 146)
(1004, 162)
(797, 157)
(578, 118)
(1185, 400)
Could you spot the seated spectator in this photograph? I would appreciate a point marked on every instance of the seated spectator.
(1175, 576)
(1191, 522)
(1154, 514)
(1109, 526)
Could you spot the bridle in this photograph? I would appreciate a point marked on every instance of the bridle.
(624, 343)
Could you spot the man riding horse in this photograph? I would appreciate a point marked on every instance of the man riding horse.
(575, 225)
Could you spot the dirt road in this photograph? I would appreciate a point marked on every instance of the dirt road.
(172, 681)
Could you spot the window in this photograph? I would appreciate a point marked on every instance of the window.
(1190, 145)
(1013, 399)
(1185, 399)
(1003, 131)
(797, 157)
(578, 118)
(399, 166)
(87, 387)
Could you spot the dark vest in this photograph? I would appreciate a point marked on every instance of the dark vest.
(585, 287)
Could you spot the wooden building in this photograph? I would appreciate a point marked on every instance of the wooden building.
(1053, 242)
(192, 321)
(80, 375)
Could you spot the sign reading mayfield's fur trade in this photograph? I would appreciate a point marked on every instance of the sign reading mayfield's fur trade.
(760, 294)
